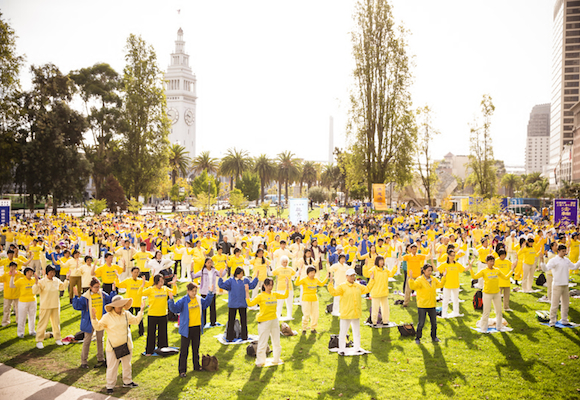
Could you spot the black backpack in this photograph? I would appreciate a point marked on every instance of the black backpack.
(329, 308)
(407, 329)
(478, 300)
(541, 279)
(237, 329)
(379, 318)
(333, 342)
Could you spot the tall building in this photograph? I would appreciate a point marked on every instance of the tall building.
(538, 140)
(181, 97)
(565, 85)
(331, 141)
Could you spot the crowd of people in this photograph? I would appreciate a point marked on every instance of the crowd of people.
(112, 266)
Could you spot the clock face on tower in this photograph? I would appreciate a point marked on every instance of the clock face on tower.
(173, 115)
(189, 116)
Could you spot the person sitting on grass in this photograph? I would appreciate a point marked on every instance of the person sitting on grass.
(426, 287)
(116, 323)
(190, 309)
(491, 279)
(237, 301)
(97, 299)
(268, 325)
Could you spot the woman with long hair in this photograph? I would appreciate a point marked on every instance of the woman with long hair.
(237, 304)
(208, 277)
(157, 318)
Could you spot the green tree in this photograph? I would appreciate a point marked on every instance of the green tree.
(350, 174)
(51, 163)
(200, 184)
(288, 172)
(511, 182)
(144, 146)
(381, 120)
(10, 106)
(203, 203)
(179, 161)
(330, 177)
(234, 164)
(134, 206)
(318, 194)
(249, 185)
(569, 190)
(114, 195)
(425, 165)
(535, 186)
(99, 90)
(266, 170)
(309, 174)
(96, 206)
(481, 159)
(204, 162)
(237, 199)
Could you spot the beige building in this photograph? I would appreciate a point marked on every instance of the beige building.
(454, 165)
(538, 139)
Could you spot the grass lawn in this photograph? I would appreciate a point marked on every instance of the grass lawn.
(531, 362)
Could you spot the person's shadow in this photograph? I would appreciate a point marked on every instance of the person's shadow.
(348, 376)
(437, 371)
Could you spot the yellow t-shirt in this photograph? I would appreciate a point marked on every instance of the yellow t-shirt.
(133, 287)
(453, 271)
(260, 268)
(194, 312)
(97, 303)
(268, 304)
(310, 287)
(24, 287)
(414, 263)
(219, 261)
(491, 279)
(35, 250)
(281, 273)
(158, 299)
(504, 266)
(529, 255)
(106, 273)
(11, 293)
(141, 258)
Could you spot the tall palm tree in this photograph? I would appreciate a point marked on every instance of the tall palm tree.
(288, 171)
(309, 174)
(179, 161)
(266, 170)
(511, 182)
(204, 162)
(234, 164)
(331, 176)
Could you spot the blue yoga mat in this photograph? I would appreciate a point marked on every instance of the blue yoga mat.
(493, 330)
(159, 355)
(561, 326)
(208, 325)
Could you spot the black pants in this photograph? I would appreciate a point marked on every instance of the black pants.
(135, 311)
(432, 317)
(230, 334)
(107, 287)
(177, 267)
(404, 280)
(212, 313)
(156, 332)
(145, 274)
(194, 336)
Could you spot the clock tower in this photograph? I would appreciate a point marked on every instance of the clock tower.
(181, 97)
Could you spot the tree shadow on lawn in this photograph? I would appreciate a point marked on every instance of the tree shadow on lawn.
(463, 332)
(567, 333)
(381, 343)
(302, 351)
(520, 326)
(437, 371)
(257, 382)
(348, 378)
(514, 360)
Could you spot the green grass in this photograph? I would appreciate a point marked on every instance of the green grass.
(531, 362)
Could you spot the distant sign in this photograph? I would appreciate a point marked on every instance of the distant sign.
(298, 210)
(565, 212)
(4, 212)
(514, 201)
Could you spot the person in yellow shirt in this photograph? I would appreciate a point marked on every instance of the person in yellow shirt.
(451, 289)
(483, 251)
(350, 250)
(380, 292)
(491, 277)
(48, 288)
(26, 303)
(108, 273)
(268, 325)
(141, 257)
(350, 293)
(414, 261)
(529, 254)
(260, 266)
(284, 272)
(74, 271)
(115, 322)
(34, 251)
(133, 285)
(309, 298)
(11, 293)
(574, 246)
(504, 265)
(426, 286)
(157, 317)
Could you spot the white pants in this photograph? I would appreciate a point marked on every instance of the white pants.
(452, 294)
(563, 293)
(8, 304)
(494, 298)
(113, 368)
(288, 300)
(512, 256)
(336, 306)
(344, 325)
(268, 329)
(26, 308)
(480, 267)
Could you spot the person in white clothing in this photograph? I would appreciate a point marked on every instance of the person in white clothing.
(560, 267)
(158, 263)
(339, 272)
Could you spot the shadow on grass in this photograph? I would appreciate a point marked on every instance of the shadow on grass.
(348, 379)
(520, 326)
(302, 350)
(257, 382)
(514, 360)
(437, 371)
(463, 332)
(381, 343)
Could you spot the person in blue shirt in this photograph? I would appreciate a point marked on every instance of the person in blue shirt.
(191, 310)
(237, 301)
(331, 251)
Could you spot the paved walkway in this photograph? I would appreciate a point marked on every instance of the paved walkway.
(19, 385)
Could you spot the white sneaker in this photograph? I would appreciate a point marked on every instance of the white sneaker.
(39, 345)
(59, 343)
(21, 336)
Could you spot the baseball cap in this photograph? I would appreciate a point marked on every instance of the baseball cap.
(350, 272)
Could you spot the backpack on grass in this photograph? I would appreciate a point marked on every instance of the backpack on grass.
(478, 300)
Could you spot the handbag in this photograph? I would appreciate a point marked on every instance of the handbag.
(122, 350)
(406, 329)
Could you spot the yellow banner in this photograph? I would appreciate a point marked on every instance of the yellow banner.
(380, 196)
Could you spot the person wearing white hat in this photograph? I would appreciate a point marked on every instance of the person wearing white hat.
(350, 293)
(116, 324)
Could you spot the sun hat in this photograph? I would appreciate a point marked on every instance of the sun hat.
(350, 272)
(119, 301)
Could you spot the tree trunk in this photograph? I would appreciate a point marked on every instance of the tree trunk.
(286, 191)
(31, 203)
(231, 183)
(54, 205)
(279, 193)
(262, 190)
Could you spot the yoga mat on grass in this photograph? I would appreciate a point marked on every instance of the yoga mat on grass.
(221, 338)
(351, 352)
(562, 326)
(493, 330)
